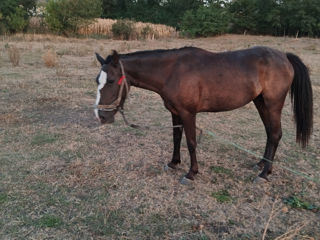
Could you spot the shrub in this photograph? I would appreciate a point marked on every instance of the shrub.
(15, 14)
(50, 58)
(123, 29)
(14, 55)
(147, 32)
(103, 27)
(37, 25)
(205, 21)
(16, 21)
(67, 16)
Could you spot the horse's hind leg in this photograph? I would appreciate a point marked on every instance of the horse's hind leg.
(177, 135)
(263, 112)
(270, 113)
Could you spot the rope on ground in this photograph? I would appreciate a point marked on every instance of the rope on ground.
(316, 180)
(304, 175)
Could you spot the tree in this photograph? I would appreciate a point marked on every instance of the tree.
(176, 9)
(67, 16)
(15, 14)
(206, 21)
(300, 17)
(268, 17)
(243, 16)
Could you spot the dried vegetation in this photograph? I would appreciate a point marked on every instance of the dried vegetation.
(14, 55)
(64, 176)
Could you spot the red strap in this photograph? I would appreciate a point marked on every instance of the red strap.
(121, 79)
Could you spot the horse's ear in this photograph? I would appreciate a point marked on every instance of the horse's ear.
(100, 59)
(115, 57)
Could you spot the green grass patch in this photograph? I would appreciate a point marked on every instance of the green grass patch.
(107, 224)
(49, 221)
(295, 202)
(222, 196)
(3, 198)
(44, 138)
(221, 170)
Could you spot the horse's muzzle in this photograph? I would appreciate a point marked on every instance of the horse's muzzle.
(106, 117)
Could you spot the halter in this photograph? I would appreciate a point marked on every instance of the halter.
(115, 105)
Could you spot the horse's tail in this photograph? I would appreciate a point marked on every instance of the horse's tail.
(301, 98)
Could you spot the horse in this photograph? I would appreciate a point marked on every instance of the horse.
(192, 80)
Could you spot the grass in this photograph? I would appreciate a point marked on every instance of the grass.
(295, 202)
(221, 170)
(44, 138)
(14, 55)
(222, 196)
(50, 221)
(140, 30)
(50, 58)
(3, 198)
(64, 176)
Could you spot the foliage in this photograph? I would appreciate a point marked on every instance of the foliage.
(168, 12)
(193, 17)
(14, 15)
(295, 202)
(67, 16)
(287, 17)
(274, 17)
(123, 29)
(205, 21)
(244, 15)
(300, 17)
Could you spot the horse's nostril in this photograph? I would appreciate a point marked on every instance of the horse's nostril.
(102, 119)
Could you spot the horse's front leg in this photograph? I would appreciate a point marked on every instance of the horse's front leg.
(189, 124)
(177, 135)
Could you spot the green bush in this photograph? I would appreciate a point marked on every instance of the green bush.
(14, 15)
(123, 29)
(17, 21)
(205, 21)
(67, 16)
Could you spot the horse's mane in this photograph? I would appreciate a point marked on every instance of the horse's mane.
(156, 51)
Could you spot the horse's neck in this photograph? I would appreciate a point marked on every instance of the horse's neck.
(145, 74)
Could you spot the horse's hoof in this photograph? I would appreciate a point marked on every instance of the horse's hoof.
(260, 180)
(172, 165)
(186, 181)
(166, 168)
(256, 167)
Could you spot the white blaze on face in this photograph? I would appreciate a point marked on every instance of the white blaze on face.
(102, 81)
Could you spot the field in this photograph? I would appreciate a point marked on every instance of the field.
(63, 176)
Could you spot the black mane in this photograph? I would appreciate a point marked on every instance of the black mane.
(152, 52)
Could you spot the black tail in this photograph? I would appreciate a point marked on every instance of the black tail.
(301, 98)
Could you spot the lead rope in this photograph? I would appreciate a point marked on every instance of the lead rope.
(222, 140)
(155, 127)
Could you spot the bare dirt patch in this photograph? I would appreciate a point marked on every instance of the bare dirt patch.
(63, 176)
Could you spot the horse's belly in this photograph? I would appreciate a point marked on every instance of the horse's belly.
(226, 99)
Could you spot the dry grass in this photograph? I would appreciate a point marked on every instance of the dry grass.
(14, 55)
(99, 27)
(50, 58)
(141, 30)
(103, 27)
(64, 176)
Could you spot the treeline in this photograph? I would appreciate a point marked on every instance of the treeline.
(191, 17)
(211, 17)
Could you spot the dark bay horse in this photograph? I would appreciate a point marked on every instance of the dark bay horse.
(192, 80)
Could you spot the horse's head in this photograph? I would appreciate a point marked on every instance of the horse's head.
(112, 88)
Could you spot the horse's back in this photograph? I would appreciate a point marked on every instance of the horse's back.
(228, 80)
